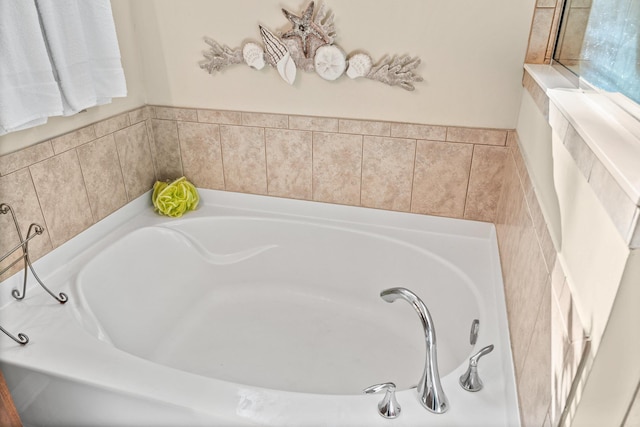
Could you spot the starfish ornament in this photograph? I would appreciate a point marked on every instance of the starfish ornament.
(304, 28)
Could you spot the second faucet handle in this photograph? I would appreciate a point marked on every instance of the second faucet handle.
(470, 380)
(388, 406)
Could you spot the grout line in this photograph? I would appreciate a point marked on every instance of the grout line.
(266, 161)
(224, 179)
(466, 192)
(413, 175)
(361, 168)
(44, 218)
(84, 184)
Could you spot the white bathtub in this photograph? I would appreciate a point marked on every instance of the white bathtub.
(257, 311)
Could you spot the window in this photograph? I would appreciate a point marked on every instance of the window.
(599, 42)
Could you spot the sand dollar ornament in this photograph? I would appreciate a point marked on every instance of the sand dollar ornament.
(253, 55)
(359, 65)
(329, 62)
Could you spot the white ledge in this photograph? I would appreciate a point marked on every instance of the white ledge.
(608, 130)
(607, 147)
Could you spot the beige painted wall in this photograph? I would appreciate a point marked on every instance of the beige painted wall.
(472, 54)
(136, 96)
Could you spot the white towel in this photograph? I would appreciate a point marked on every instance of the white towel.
(102, 46)
(28, 91)
(83, 45)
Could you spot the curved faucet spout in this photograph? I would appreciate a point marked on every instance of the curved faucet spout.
(430, 390)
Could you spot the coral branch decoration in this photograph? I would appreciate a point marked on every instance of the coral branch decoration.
(309, 46)
(219, 57)
(396, 72)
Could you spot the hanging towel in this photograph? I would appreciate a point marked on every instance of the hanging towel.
(83, 46)
(103, 50)
(28, 91)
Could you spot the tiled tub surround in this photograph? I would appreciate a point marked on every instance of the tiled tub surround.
(617, 198)
(70, 182)
(547, 336)
(437, 170)
(544, 27)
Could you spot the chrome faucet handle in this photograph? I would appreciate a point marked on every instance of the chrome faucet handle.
(470, 380)
(388, 406)
(473, 334)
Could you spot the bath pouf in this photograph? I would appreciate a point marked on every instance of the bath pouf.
(174, 198)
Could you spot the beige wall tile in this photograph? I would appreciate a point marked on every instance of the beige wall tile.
(536, 92)
(139, 115)
(220, 117)
(523, 267)
(546, 3)
(558, 122)
(477, 136)
(321, 124)
(512, 138)
(553, 32)
(534, 387)
(63, 197)
(201, 154)
(17, 191)
(364, 127)
(289, 163)
(615, 201)
(111, 124)
(280, 121)
(387, 172)
(167, 159)
(570, 46)
(527, 283)
(539, 223)
(560, 379)
(102, 176)
(567, 338)
(337, 168)
(539, 35)
(136, 162)
(171, 113)
(580, 151)
(73, 139)
(485, 182)
(521, 167)
(441, 178)
(243, 154)
(26, 157)
(407, 130)
(150, 111)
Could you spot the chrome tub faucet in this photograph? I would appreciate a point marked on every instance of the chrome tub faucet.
(429, 389)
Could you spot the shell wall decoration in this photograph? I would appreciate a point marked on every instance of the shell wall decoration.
(309, 46)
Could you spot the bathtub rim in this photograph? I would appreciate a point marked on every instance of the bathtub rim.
(103, 230)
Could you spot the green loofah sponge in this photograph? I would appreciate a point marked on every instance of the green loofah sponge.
(174, 198)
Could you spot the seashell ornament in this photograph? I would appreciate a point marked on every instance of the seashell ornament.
(359, 65)
(278, 55)
(253, 55)
(329, 62)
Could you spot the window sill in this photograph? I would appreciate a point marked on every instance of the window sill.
(603, 139)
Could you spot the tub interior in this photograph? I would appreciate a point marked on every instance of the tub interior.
(281, 304)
